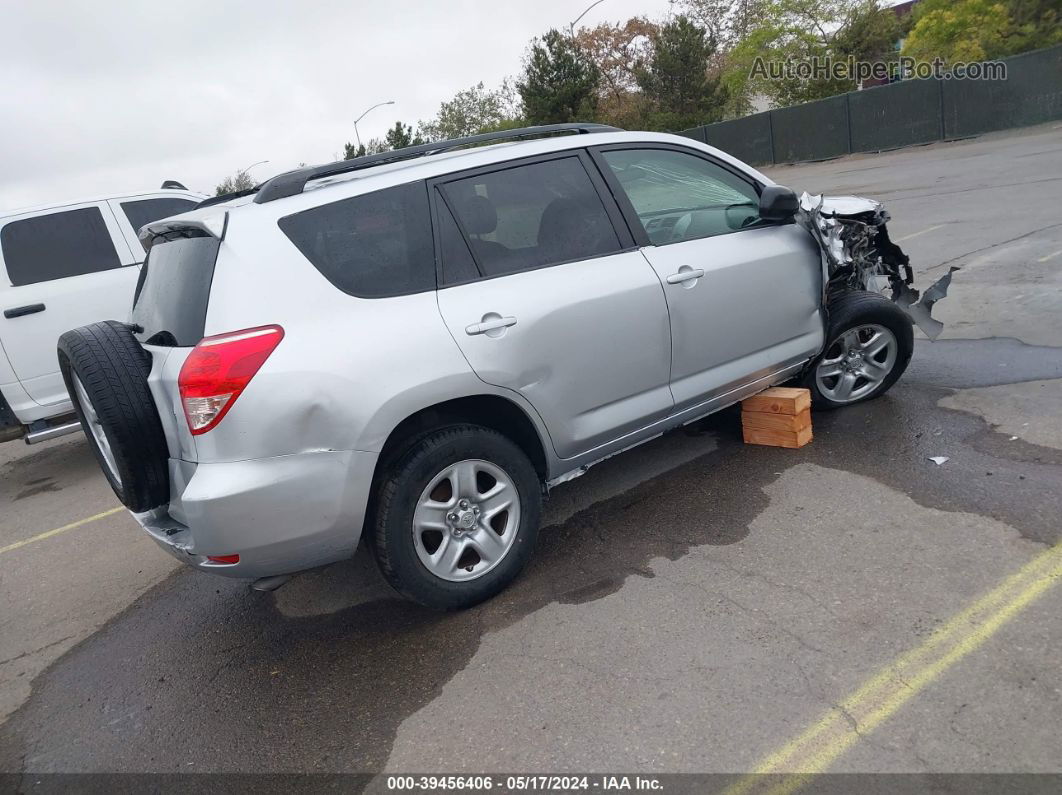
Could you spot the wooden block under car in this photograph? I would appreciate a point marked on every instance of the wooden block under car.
(776, 438)
(777, 417)
(766, 421)
(779, 400)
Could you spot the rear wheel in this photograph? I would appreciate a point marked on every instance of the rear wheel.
(869, 345)
(457, 517)
(105, 371)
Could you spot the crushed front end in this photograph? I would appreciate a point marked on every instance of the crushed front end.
(859, 255)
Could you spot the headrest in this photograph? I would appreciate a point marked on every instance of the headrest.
(479, 215)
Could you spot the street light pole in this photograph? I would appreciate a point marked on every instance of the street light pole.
(259, 163)
(571, 25)
(357, 136)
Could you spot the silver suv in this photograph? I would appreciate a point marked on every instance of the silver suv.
(415, 346)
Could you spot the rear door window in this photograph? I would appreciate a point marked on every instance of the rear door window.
(458, 265)
(57, 245)
(375, 245)
(144, 211)
(170, 303)
(526, 217)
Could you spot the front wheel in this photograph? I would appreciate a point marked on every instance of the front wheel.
(457, 517)
(869, 345)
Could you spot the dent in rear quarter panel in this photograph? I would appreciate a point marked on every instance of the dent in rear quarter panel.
(347, 370)
(162, 381)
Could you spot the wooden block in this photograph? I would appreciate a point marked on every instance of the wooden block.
(777, 438)
(779, 400)
(776, 422)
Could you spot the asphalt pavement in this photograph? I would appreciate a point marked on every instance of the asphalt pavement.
(697, 605)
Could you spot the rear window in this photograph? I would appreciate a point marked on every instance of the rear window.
(144, 211)
(372, 246)
(174, 287)
(57, 245)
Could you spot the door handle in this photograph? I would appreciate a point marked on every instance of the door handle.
(685, 274)
(19, 311)
(493, 325)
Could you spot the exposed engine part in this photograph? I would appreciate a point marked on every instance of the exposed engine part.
(858, 255)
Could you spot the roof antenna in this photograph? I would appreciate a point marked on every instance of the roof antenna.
(172, 183)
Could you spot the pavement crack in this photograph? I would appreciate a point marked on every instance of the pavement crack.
(774, 584)
(848, 717)
(35, 651)
(759, 615)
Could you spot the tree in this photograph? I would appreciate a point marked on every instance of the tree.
(1035, 24)
(474, 110)
(805, 32)
(373, 147)
(559, 82)
(869, 33)
(978, 30)
(617, 50)
(727, 21)
(675, 77)
(401, 136)
(241, 180)
(959, 30)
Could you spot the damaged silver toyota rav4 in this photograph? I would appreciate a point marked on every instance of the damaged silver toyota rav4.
(415, 346)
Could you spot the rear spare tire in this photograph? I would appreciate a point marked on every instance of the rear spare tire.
(105, 371)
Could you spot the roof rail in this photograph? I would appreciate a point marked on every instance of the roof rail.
(293, 182)
(226, 197)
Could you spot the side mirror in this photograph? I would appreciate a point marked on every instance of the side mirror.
(778, 204)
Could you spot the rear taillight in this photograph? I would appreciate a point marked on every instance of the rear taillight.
(218, 369)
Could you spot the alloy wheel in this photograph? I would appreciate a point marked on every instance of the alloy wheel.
(95, 429)
(466, 520)
(856, 363)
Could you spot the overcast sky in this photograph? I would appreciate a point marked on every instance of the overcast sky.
(102, 96)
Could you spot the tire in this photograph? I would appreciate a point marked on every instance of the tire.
(105, 371)
(854, 318)
(408, 518)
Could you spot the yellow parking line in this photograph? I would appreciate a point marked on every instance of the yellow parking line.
(880, 697)
(917, 234)
(58, 530)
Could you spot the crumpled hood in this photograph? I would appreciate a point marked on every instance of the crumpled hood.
(858, 254)
(833, 206)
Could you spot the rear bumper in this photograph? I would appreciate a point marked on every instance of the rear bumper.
(280, 515)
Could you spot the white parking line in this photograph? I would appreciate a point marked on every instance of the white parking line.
(1050, 256)
(916, 234)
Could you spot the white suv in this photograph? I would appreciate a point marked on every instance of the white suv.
(421, 343)
(62, 265)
